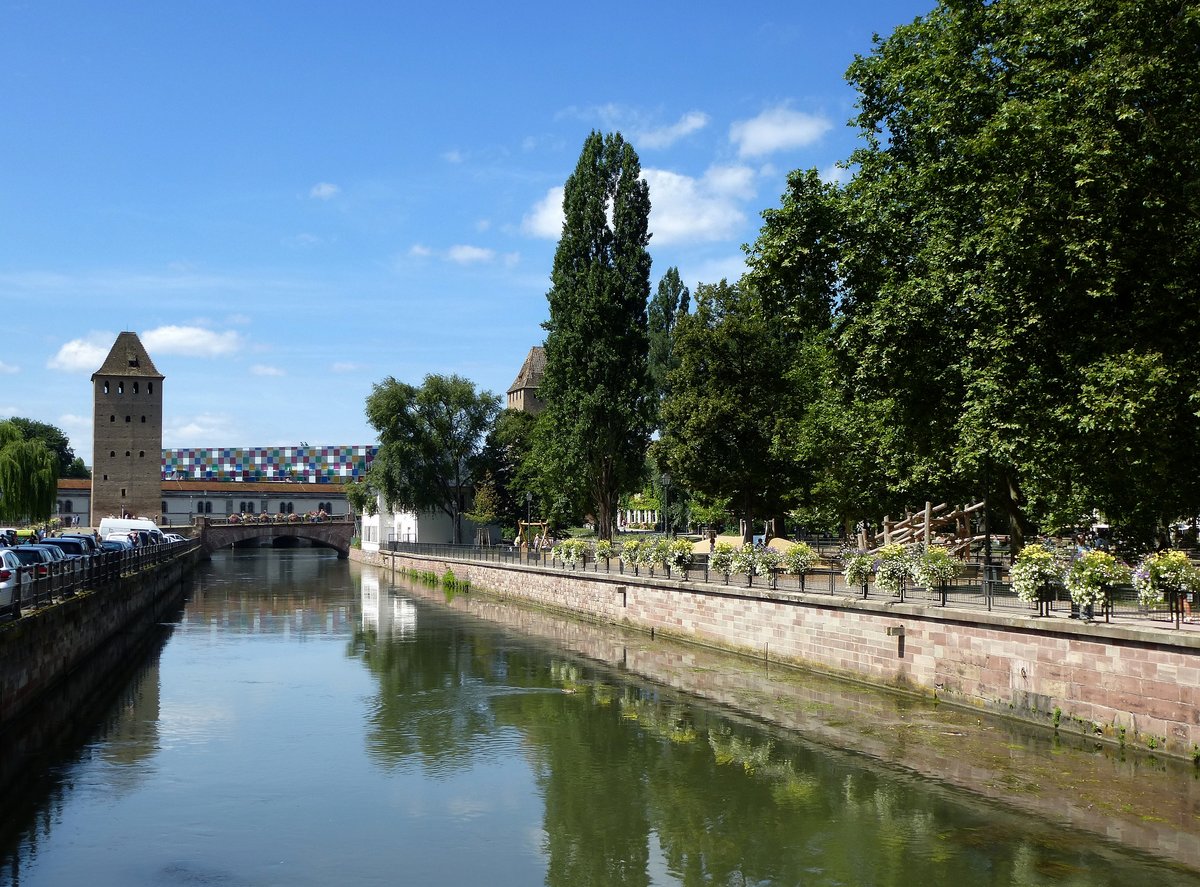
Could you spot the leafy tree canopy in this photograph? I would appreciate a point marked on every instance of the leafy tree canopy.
(429, 442)
(28, 475)
(599, 405)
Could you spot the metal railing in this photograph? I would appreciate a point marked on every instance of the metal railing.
(43, 584)
(975, 589)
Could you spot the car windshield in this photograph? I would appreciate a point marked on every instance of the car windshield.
(52, 551)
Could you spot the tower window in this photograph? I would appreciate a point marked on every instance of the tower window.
(112, 453)
(143, 420)
(122, 492)
(133, 360)
(121, 387)
(135, 387)
(141, 454)
(127, 454)
(106, 388)
(149, 387)
(112, 418)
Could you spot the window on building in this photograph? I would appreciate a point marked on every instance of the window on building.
(112, 418)
(127, 454)
(66, 506)
(112, 454)
(121, 387)
(135, 387)
(122, 492)
(149, 387)
(141, 454)
(208, 508)
(164, 506)
(59, 507)
(106, 477)
(199, 508)
(143, 420)
(106, 388)
(128, 418)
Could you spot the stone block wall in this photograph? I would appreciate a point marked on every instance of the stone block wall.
(1123, 683)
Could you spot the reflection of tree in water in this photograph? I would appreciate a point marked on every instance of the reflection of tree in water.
(624, 768)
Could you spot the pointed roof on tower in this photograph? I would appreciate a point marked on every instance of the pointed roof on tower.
(531, 371)
(128, 357)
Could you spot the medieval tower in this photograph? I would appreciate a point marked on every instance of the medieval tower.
(127, 433)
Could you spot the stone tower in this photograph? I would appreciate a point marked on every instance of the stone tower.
(127, 433)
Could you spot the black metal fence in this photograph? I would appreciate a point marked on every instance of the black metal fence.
(43, 584)
(976, 588)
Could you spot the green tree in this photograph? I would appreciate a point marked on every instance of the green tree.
(670, 302)
(28, 476)
(722, 418)
(598, 400)
(429, 442)
(1022, 252)
(55, 439)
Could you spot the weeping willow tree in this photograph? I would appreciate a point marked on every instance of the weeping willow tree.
(28, 477)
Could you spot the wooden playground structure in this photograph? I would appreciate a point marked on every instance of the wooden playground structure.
(946, 525)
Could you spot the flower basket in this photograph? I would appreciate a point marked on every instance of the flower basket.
(721, 559)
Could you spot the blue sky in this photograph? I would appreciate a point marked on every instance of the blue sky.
(289, 202)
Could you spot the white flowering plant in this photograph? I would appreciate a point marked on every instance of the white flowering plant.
(747, 560)
(858, 567)
(604, 550)
(799, 559)
(893, 566)
(1091, 574)
(631, 552)
(679, 554)
(1035, 568)
(1165, 573)
(721, 559)
(933, 567)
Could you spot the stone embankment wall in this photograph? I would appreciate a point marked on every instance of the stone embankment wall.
(41, 648)
(1131, 684)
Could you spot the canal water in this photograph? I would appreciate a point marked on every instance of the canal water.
(311, 722)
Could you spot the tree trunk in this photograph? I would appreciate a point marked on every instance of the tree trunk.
(1011, 501)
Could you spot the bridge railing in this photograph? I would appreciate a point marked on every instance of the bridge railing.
(274, 520)
(41, 585)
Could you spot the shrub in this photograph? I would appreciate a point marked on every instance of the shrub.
(747, 561)
(604, 550)
(858, 567)
(631, 552)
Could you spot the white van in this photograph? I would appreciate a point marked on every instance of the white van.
(125, 525)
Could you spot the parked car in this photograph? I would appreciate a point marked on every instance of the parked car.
(12, 577)
(34, 559)
(72, 548)
(115, 543)
(88, 540)
(174, 537)
(58, 558)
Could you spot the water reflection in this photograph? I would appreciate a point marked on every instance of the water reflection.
(307, 723)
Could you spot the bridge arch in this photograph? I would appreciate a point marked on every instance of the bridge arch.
(335, 532)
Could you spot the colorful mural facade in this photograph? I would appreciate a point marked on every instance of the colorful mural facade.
(319, 465)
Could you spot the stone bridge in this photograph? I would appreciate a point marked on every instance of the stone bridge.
(334, 532)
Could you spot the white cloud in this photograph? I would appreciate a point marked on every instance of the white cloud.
(483, 225)
(511, 260)
(324, 191)
(777, 129)
(466, 255)
(191, 341)
(665, 136)
(261, 369)
(8, 368)
(203, 430)
(684, 208)
(237, 320)
(345, 366)
(835, 175)
(546, 217)
(83, 354)
(453, 156)
(419, 249)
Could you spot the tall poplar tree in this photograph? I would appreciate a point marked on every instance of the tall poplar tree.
(595, 429)
(670, 302)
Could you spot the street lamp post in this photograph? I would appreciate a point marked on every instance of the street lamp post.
(668, 525)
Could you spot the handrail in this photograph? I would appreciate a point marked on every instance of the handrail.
(44, 584)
